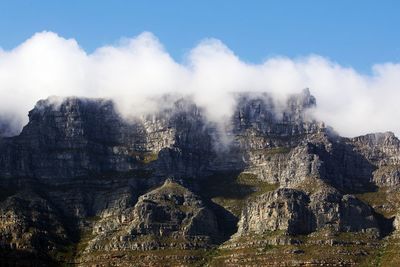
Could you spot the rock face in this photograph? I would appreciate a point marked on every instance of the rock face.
(25, 224)
(172, 209)
(81, 185)
(295, 212)
(383, 151)
(283, 209)
(344, 213)
(170, 212)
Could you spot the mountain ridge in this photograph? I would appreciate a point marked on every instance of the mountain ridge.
(81, 185)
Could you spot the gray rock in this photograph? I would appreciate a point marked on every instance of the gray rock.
(284, 209)
(80, 176)
(168, 213)
(295, 212)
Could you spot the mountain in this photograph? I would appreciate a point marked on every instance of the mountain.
(82, 186)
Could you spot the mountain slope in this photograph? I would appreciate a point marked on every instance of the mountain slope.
(270, 186)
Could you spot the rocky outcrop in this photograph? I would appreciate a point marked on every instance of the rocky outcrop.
(81, 184)
(167, 215)
(295, 212)
(343, 213)
(30, 223)
(285, 165)
(284, 210)
(84, 136)
(379, 148)
(383, 151)
(275, 120)
(172, 208)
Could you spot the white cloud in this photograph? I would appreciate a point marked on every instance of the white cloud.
(139, 68)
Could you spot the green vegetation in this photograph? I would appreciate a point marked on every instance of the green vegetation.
(232, 190)
(389, 253)
(162, 257)
(144, 157)
(311, 184)
(268, 153)
(384, 201)
(321, 248)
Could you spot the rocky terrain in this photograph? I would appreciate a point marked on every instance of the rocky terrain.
(81, 186)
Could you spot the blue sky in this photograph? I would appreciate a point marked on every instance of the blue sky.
(353, 33)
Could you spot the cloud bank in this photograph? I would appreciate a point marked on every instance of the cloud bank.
(138, 68)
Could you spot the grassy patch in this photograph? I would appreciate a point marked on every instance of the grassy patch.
(269, 153)
(311, 184)
(383, 201)
(389, 254)
(345, 250)
(164, 257)
(232, 190)
(144, 157)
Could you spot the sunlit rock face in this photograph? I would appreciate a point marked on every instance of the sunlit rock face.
(81, 184)
(294, 212)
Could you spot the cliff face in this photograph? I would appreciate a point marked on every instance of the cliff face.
(82, 185)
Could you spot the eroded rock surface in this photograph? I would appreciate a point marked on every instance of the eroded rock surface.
(172, 213)
(81, 185)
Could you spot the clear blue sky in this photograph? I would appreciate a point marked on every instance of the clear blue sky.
(355, 33)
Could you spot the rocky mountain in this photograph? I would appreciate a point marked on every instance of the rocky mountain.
(270, 186)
